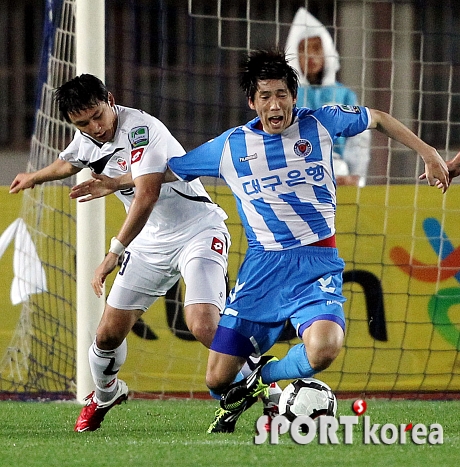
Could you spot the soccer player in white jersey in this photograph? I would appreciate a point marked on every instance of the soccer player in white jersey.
(279, 168)
(171, 229)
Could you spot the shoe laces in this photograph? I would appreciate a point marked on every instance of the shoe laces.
(261, 389)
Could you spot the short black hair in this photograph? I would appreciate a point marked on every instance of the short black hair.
(267, 64)
(80, 93)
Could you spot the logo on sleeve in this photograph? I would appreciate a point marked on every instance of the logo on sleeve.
(352, 109)
(139, 137)
(136, 155)
(217, 245)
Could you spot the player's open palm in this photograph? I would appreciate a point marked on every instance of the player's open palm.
(96, 187)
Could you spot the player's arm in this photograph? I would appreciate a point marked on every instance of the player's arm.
(436, 172)
(100, 185)
(146, 195)
(57, 170)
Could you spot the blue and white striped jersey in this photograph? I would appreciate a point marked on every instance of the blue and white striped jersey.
(283, 184)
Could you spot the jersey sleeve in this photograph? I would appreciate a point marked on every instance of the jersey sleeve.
(344, 120)
(204, 161)
(71, 152)
(151, 145)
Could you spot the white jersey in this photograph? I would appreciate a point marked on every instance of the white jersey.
(143, 145)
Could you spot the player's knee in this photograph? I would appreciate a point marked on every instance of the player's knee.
(203, 331)
(323, 342)
(202, 320)
(215, 382)
(321, 357)
(218, 379)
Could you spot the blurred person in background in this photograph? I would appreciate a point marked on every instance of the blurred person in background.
(312, 53)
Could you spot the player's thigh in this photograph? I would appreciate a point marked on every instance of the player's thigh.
(203, 265)
(243, 338)
(148, 274)
(205, 282)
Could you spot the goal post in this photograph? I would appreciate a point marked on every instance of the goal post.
(90, 220)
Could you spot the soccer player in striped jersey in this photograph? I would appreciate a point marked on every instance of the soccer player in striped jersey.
(279, 168)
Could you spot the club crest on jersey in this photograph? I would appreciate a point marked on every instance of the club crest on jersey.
(353, 109)
(303, 147)
(136, 155)
(139, 137)
(122, 164)
(217, 245)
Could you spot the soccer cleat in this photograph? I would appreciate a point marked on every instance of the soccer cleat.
(225, 420)
(92, 413)
(271, 402)
(249, 387)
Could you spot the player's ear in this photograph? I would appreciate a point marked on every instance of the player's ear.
(111, 99)
(251, 104)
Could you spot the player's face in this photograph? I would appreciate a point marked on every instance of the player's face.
(99, 122)
(311, 58)
(273, 103)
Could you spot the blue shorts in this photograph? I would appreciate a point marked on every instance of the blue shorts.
(302, 285)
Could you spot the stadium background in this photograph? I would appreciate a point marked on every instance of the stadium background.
(403, 346)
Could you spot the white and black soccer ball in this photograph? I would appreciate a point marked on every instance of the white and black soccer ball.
(308, 396)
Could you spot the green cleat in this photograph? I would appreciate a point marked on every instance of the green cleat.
(225, 420)
(248, 388)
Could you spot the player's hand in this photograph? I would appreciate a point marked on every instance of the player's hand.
(22, 181)
(453, 166)
(96, 187)
(436, 174)
(102, 271)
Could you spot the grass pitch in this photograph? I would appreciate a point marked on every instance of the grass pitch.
(173, 433)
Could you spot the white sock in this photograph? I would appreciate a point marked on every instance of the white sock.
(104, 365)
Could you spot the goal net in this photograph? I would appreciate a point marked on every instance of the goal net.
(178, 61)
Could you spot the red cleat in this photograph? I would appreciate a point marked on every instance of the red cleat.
(92, 413)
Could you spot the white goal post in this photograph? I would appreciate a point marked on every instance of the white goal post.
(90, 58)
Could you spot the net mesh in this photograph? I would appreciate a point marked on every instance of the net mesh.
(178, 61)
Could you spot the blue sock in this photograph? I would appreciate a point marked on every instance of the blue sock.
(214, 395)
(294, 365)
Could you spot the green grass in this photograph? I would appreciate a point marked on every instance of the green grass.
(173, 433)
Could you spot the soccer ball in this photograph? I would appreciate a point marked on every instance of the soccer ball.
(308, 396)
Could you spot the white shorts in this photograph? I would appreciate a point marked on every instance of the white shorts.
(201, 261)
